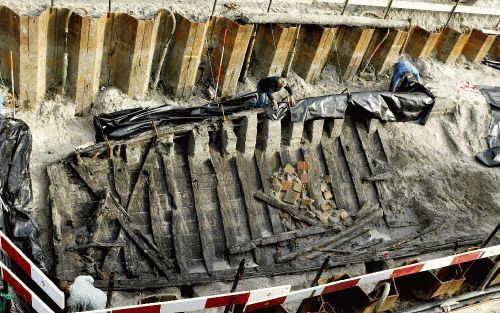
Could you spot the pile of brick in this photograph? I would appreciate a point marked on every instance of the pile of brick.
(290, 184)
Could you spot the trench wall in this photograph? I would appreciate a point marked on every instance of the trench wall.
(119, 50)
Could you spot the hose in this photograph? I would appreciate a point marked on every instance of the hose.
(385, 294)
(65, 59)
(165, 49)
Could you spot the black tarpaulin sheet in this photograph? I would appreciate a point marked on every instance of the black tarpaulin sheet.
(15, 188)
(491, 156)
(128, 123)
(413, 104)
(493, 63)
(492, 95)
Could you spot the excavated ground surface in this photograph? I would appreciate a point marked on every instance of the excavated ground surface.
(434, 174)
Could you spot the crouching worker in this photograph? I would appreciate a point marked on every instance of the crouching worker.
(404, 72)
(83, 296)
(269, 85)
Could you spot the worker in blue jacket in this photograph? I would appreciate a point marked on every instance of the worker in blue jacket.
(403, 70)
(269, 85)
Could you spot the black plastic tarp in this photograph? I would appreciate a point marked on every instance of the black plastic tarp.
(492, 95)
(413, 104)
(15, 188)
(491, 156)
(495, 63)
(128, 123)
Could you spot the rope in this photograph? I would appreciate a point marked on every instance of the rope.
(375, 51)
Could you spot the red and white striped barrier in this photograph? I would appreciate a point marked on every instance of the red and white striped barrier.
(22, 290)
(372, 278)
(202, 303)
(34, 272)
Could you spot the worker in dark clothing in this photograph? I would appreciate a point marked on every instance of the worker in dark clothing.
(403, 70)
(269, 85)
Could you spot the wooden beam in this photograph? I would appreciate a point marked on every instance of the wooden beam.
(421, 43)
(451, 44)
(313, 49)
(495, 49)
(322, 19)
(85, 49)
(419, 6)
(478, 45)
(237, 40)
(272, 47)
(184, 56)
(350, 49)
(384, 53)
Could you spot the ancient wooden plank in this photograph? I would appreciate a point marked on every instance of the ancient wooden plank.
(314, 186)
(233, 216)
(93, 172)
(180, 230)
(335, 174)
(286, 208)
(55, 46)
(157, 219)
(494, 52)
(336, 240)
(263, 168)
(356, 179)
(121, 178)
(258, 218)
(290, 235)
(183, 279)
(9, 40)
(66, 266)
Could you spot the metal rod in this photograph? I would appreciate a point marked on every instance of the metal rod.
(239, 274)
(269, 7)
(388, 9)
(109, 6)
(493, 233)
(213, 9)
(111, 287)
(483, 245)
(451, 13)
(490, 275)
(12, 85)
(345, 7)
(219, 73)
(315, 280)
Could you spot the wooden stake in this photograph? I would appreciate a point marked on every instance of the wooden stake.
(12, 85)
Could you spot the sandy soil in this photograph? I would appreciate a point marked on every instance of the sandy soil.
(434, 164)
(201, 9)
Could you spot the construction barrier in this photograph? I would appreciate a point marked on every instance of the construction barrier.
(31, 270)
(202, 303)
(23, 291)
(251, 300)
(373, 278)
